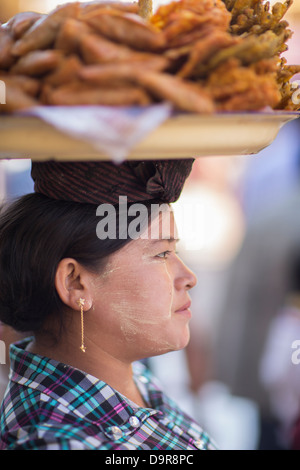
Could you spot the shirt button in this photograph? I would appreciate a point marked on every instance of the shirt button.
(143, 379)
(116, 432)
(177, 430)
(199, 444)
(134, 421)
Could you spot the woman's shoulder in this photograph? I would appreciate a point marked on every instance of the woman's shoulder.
(32, 420)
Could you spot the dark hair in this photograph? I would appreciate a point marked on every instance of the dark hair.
(36, 233)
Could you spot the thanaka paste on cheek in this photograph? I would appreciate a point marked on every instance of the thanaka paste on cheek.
(140, 329)
(109, 269)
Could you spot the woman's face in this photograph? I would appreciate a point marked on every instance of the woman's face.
(141, 301)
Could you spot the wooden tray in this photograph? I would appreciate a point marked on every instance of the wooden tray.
(182, 136)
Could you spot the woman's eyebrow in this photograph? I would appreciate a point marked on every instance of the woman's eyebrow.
(168, 239)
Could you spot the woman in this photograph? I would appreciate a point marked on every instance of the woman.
(95, 307)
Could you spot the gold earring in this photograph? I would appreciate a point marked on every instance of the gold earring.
(81, 304)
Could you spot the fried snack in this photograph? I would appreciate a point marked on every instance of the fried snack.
(116, 74)
(249, 50)
(78, 94)
(67, 71)
(203, 50)
(17, 99)
(21, 22)
(236, 88)
(6, 43)
(128, 7)
(97, 50)
(43, 32)
(287, 88)
(184, 96)
(69, 35)
(37, 63)
(28, 85)
(255, 16)
(126, 29)
(177, 19)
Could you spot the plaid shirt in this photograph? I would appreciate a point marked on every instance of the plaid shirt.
(50, 405)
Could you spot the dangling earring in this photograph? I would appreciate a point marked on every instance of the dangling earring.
(81, 304)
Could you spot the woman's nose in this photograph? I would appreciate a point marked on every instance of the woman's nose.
(186, 278)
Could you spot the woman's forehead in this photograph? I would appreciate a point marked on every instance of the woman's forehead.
(163, 227)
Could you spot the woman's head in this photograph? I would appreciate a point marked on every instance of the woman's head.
(135, 290)
(138, 306)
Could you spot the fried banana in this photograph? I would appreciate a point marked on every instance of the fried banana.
(30, 86)
(21, 22)
(17, 99)
(184, 96)
(78, 94)
(126, 29)
(95, 49)
(117, 74)
(6, 44)
(68, 37)
(67, 71)
(43, 32)
(128, 7)
(37, 63)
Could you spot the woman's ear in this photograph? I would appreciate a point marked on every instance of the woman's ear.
(72, 282)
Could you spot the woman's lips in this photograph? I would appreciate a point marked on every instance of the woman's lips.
(185, 308)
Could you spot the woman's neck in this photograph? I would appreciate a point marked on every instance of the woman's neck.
(96, 362)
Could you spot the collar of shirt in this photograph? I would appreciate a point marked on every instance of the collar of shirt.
(82, 394)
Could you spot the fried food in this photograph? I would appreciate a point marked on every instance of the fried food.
(177, 19)
(249, 50)
(67, 71)
(28, 85)
(255, 16)
(126, 29)
(205, 49)
(203, 56)
(21, 22)
(288, 88)
(78, 94)
(37, 63)
(113, 74)
(44, 31)
(68, 37)
(6, 43)
(97, 50)
(235, 87)
(185, 96)
(128, 7)
(17, 99)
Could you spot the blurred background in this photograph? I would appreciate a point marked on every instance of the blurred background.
(236, 377)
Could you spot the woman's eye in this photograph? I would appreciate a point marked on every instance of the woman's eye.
(164, 254)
